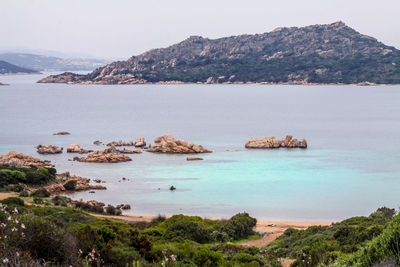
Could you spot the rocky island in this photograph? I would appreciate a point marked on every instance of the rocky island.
(273, 142)
(50, 149)
(168, 144)
(75, 148)
(21, 160)
(318, 54)
(108, 155)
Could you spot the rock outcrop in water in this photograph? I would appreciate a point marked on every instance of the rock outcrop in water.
(21, 160)
(168, 144)
(50, 149)
(82, 184)
(331, 53)
(273, 142)
(75, 148)
(109, 155)
(140, 142)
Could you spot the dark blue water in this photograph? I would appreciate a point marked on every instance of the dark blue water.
(350, 168)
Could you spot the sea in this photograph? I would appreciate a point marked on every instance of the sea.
(350, 168)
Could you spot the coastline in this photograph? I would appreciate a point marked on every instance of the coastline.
(143, 82)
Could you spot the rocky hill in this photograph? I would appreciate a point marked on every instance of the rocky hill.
(8, 68)
(48, 63)
(332, 53)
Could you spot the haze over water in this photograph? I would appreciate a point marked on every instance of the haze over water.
(350, 168)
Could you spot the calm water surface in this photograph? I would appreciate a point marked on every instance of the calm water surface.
(350, 168)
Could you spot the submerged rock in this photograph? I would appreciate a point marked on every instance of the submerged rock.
(109, 155)
(273, 142)
(75, 148)
(49, 149)
(61, 133)
(168, 144)
(193, 158)
(21, 160)
(97, 143)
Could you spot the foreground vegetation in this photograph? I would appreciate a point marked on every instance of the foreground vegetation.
(37, 229)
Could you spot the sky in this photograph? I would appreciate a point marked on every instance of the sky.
(118, 29)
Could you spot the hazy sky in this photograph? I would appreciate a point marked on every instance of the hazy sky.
(122, 28)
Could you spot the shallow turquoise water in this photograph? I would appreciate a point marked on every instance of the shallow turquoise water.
(350, 168)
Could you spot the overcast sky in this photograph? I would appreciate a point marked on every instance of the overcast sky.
(122, 28)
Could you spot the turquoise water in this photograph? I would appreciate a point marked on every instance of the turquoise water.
(350, 168)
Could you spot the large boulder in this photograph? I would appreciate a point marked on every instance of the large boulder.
(273, 142)
(49, 149)
(109, 155)
(75, 148)
(21, 160)
(168, 144)
(140, 142)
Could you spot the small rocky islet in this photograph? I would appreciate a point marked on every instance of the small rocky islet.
(273, 142)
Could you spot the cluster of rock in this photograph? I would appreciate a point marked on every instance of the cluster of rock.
(75, 148)
(21, 160)
(108, 155)
(140, 142)
(82, 184)
(273, 142)
(50, 149)
(128, 151)
(61, 133)
(168, 144)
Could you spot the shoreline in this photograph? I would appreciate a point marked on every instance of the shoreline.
(302, 83)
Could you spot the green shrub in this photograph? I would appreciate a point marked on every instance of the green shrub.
(61, 201)
(17, 188)
(24, 194)
(8, 176)
(11, 201)
(40, 193)
(182, 227)
(111, 210)
(70, 185)
(38, 200)
(239, 226)
(206, 257)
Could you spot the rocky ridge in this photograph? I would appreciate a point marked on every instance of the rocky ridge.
(273, 142)
(330, 53)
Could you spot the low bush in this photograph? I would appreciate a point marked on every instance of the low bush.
(40, 193)
(38, 200)
(61, 201)
(24, 194)
(70, 185)
(111, 210)
(12, 201)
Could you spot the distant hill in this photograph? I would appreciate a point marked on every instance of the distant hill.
(332, 53)
(8, 68)
(48, 63)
